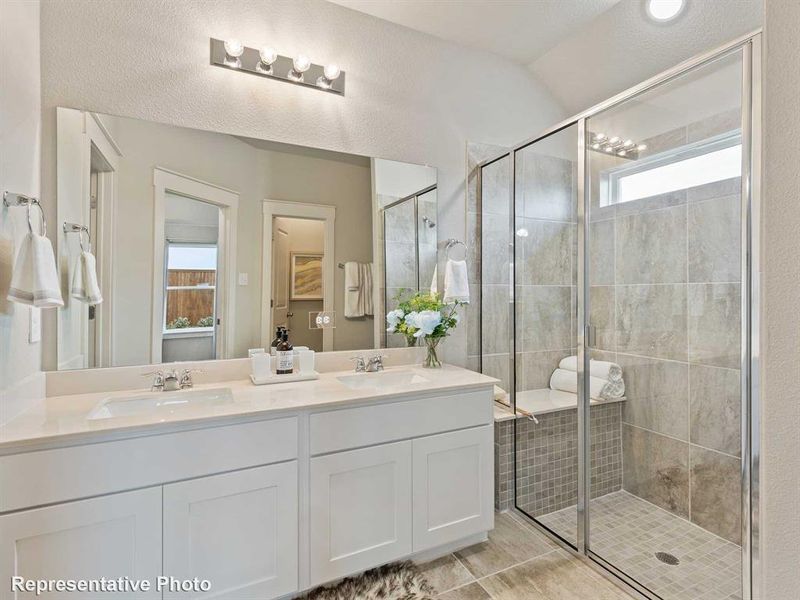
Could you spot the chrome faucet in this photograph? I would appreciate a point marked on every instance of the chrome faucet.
(361, 366)
(171, 381)
(375, 364)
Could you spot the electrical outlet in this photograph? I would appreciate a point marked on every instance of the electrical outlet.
(243, 278)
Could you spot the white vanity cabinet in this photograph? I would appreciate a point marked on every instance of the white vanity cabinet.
(111, 536)
(360, 511)
(237, 530)
(390, 499)
(453, 491)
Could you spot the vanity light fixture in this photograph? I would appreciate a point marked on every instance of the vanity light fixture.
(233, 50)
(622, 147)
(266, 62)
(268, 56)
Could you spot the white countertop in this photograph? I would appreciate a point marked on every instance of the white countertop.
(62, 420)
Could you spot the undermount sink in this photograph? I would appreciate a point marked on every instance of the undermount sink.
(381, 380)
(158, 403)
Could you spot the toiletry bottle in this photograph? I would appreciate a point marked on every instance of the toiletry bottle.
(285, 356)
(277, 340)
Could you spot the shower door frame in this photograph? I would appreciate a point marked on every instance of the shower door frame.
(750, 47)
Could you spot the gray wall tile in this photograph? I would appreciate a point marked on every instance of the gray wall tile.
(544, 256)
(656, 468)
(651, 320)
(651, 247)
(657, 393)
(716, 408)
(715, 240)
(716, 493)
(714, 317)
(544, 317)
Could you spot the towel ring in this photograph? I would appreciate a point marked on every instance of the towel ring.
(80, 230)
(452, 243)
(41, 214)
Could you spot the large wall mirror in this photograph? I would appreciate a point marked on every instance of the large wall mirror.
(205, 243)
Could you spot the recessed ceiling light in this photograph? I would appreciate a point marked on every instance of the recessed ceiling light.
(664, 10)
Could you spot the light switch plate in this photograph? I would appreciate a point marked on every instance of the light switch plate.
(35, 326)
(243, 278)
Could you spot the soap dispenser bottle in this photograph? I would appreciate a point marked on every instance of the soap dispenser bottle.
(278, 338)
(285, 356)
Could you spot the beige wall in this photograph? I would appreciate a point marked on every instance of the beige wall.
(255, 174)
(410, 96)
(780, 318)
(20, 145)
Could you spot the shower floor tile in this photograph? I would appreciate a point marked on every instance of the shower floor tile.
(627, 531)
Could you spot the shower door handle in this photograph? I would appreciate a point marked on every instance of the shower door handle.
(591, 335)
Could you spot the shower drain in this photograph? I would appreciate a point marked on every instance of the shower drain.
(668, 558)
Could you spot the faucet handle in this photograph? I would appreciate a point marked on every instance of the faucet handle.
(361, 366)
(376, 362)
(158, 379)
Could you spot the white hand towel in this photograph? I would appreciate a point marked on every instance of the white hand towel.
(435, 280)
(597, 368)
(35, 281)
(599, 389)
(353, 304)
(84, 279)
(366, 301)
(456, 282)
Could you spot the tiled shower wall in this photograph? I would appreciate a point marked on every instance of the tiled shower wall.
(665, 297)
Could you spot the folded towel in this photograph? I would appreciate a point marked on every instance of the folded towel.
(84, 279)
(456, 282)
(599, 389)
(352, 276)
(352, 291)
(435, 280)
(597, 368)
(35, 280)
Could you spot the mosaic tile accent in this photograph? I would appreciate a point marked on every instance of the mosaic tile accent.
(547, 459)
(627, 532)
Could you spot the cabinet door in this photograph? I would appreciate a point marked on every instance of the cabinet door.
(237, 530)
(453, 486)
(110, 536)
(360, 512)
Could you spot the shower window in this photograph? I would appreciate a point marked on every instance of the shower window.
(689, 166)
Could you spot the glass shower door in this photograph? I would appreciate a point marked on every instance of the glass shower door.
(665, 302)
(545, 324)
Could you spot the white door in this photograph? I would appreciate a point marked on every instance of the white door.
(111, 536)
(360, 511)
(453, 486)
(237, 530)
(280, 277)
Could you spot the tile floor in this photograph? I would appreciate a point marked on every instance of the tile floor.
(517, 563)
(627, 531)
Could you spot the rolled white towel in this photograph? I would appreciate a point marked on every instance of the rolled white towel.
(599, 389)
(499, 393)
(597, 368)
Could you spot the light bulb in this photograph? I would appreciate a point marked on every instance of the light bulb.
(613, 140)
(301, 63)
(522, 232)
(641, 147)
(600, 137)
(596, 146)
(622, 153)
(234, 48)
(268, 55)
(664, 10)
(628, 143)
(332, 71)
(609, 149)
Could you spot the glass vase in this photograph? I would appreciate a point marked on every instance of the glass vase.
(431, 358)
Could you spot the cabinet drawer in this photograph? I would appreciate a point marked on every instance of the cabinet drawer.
(368, 425)
(95, 469)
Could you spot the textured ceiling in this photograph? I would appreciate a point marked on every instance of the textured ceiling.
(519, 30)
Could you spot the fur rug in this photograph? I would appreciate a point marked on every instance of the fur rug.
(398, 581)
